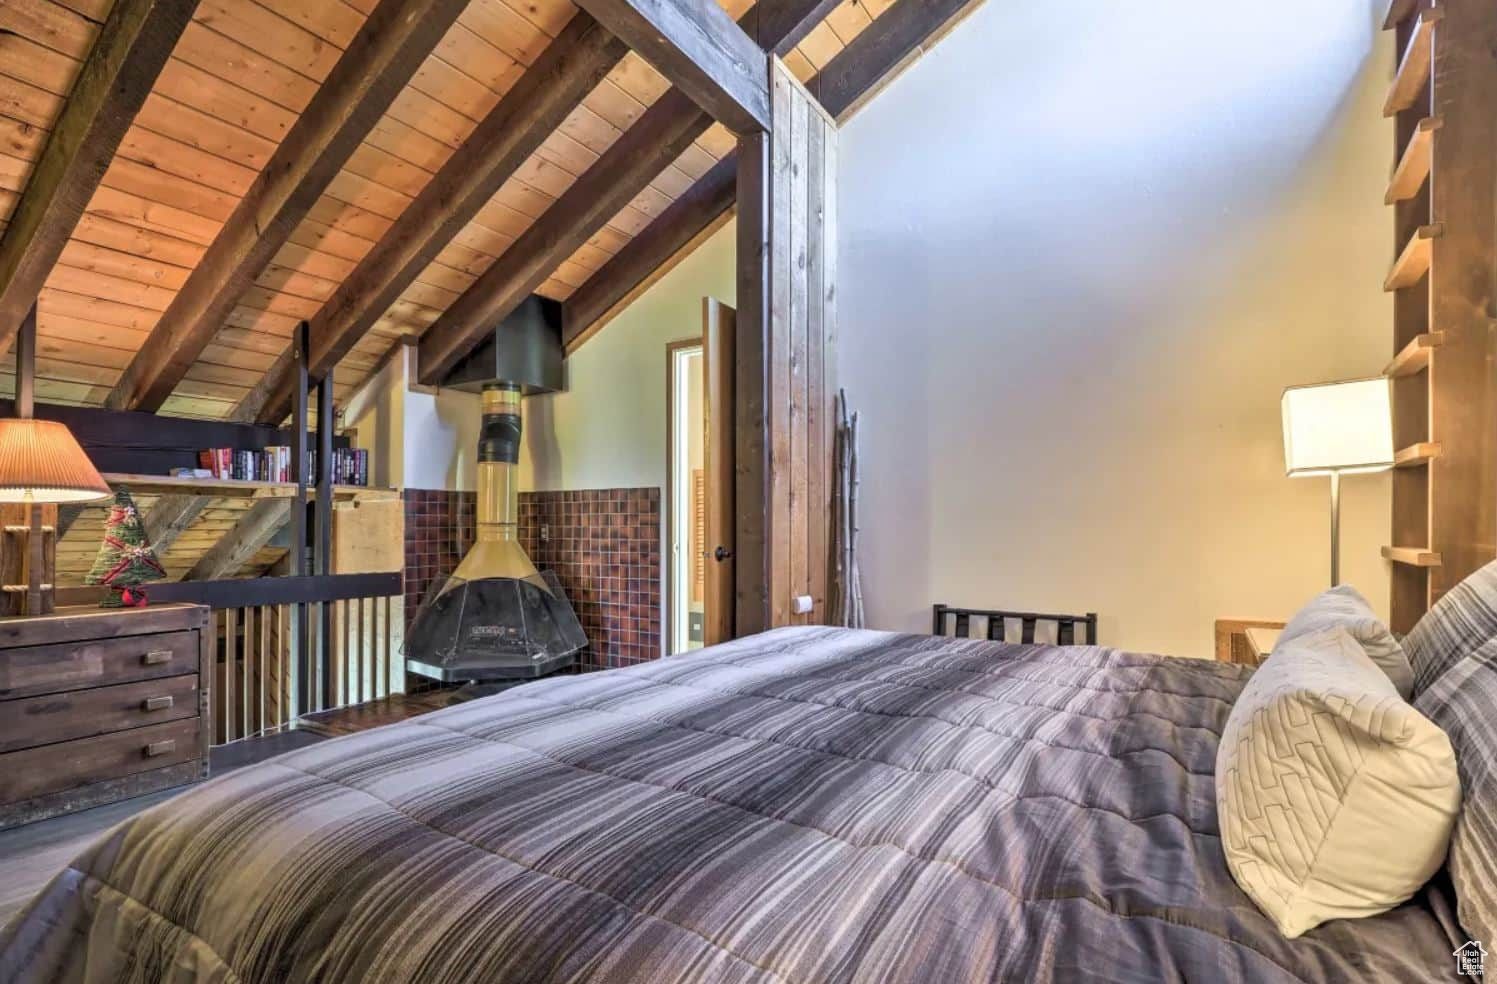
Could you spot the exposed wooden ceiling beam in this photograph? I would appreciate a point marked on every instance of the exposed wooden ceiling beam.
(779, 27)
(243, 540)
(133, 46)
(570, 67)
(697, 46)
(872, 58)
(896, 38)
(635, 159)
(651, 254)
(660, 136)
(384, 55)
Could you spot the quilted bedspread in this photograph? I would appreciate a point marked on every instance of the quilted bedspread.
(805, 805)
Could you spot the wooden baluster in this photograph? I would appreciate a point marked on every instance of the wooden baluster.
(1065, 632)
(285, 713)
(340, 614)
(382, 639)
(264, 636)
(231, 674)
(366, 665)
(1028, 630)
(247, 668)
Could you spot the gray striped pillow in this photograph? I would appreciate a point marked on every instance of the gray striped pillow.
(1463, 702)
(1459, 623)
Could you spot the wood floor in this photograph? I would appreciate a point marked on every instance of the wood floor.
(31, 855)
(374, 714)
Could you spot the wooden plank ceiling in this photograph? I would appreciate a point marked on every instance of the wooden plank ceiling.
(236, 82)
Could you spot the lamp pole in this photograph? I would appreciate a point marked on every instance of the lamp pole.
(1335, 528)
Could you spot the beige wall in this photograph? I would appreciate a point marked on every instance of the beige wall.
(1083, 251)
(608, 429)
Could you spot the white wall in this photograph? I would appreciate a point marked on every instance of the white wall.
(419, 438)
(1083, 249)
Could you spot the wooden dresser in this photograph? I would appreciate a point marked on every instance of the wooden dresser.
(98, 705)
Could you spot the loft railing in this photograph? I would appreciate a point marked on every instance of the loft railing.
(288, 646)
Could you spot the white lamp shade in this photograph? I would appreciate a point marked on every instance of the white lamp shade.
(1338, 427)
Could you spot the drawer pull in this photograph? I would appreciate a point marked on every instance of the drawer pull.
(156, 748)
(156, 657)
(157, 703)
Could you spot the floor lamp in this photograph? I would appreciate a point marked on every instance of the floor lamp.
(1338, 429)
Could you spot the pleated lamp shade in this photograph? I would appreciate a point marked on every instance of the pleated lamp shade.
(40, 461)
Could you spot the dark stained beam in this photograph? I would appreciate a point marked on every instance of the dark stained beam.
(779, 27)
(697, 46)
(381, 59)
(844, 84)
(895, 39)
(635, 159)
(647, 257)
(660, 136)
(570, 67)
(133, 46)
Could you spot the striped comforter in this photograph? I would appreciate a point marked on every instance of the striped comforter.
(804, 805)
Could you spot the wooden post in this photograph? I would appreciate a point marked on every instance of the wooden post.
(786, 363)
(751, 582)
(26, 366)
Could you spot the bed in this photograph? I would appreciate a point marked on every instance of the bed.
(809, 804)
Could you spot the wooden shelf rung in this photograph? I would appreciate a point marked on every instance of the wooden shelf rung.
(1413, 67)
(1413, 166)
(1398, 11)
(1416, 454)
(1414, 357)
(1413, 263)
(1412, 556)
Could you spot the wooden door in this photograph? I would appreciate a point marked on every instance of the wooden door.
(717, 364)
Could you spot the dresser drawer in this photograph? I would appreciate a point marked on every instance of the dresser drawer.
(34, 721)
(26, 671)
(54, 768)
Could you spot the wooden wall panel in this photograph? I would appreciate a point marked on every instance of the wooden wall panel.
(1462, 292)
(787, 327)
(1445, 506)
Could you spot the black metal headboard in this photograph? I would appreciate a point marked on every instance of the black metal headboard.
(997, 627)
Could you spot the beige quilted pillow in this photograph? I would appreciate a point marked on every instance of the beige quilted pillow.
(1335, 797)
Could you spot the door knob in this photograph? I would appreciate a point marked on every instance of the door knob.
(722, 553)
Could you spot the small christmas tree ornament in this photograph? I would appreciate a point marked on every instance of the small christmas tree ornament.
(126, 560)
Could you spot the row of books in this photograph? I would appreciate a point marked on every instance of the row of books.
(273, 464)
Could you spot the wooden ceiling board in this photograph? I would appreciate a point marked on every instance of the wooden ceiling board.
(205, 133)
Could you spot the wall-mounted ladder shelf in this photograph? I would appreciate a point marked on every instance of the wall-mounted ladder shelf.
(1443, 193)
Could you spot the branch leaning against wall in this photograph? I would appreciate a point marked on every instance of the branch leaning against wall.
(847, 592)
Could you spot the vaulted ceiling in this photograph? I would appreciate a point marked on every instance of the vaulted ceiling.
(237, 81)
(184, 182)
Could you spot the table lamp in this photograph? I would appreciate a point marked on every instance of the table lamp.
(40, 463)
(1338, 429)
